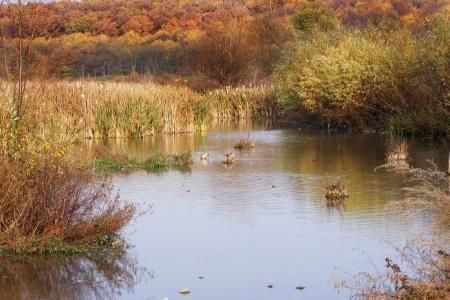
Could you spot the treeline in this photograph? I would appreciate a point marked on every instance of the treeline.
(228, 41)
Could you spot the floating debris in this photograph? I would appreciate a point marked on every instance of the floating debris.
(229, 158)
(300, 288)
(201, 277)
(184, 291)
(270, 286)
(204, 156)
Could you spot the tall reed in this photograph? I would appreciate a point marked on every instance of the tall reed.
(110, 109)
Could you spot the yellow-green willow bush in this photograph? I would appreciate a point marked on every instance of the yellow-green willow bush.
(371, 78)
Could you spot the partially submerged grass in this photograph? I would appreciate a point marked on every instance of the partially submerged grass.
(245, 144)
(155, 162)
(229, 158)
(396, 157)
(336, 193)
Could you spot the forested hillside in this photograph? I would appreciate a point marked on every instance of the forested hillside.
(228, 41)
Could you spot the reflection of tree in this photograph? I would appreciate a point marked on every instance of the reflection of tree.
(101, 276)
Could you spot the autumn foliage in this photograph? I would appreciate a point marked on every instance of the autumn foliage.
(229, 41)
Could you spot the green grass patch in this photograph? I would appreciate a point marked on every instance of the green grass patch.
(157, 162)
(48, 248)
(57, 247)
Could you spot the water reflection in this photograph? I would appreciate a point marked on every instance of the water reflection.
(96, 276)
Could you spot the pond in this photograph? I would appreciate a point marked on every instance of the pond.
(227, 232)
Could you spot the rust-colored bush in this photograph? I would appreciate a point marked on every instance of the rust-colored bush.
(44, 199)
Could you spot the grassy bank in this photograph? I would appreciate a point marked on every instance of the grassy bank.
(158, 162)
(109, 109)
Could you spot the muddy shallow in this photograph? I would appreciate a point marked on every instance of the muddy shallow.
(262, 221)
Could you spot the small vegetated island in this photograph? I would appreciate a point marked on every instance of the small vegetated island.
(77, 70)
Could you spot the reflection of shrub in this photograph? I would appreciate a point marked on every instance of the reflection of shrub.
(47, 205)
(96, 276)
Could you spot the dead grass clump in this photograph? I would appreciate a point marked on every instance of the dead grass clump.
(336, 193)
(229, 158)
(47, 204)
(397, 157)
(398, 151)
(244, 144)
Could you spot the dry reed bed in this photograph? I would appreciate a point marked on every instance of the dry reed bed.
(111, 109)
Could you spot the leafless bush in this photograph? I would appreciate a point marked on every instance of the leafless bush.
(423, 273)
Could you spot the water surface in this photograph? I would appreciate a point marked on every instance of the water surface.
(261, 221)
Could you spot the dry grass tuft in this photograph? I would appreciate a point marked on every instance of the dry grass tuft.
(245, 144)
(396, 157)
(336, 193)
